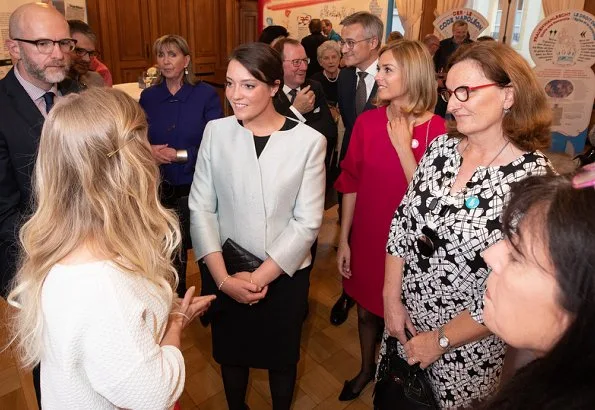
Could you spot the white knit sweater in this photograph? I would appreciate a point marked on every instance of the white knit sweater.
(102, 329)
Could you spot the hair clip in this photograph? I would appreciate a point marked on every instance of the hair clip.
(111, 154)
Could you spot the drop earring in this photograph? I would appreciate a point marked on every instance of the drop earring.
(186, 70)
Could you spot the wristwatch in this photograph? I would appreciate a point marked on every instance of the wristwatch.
(443, 341)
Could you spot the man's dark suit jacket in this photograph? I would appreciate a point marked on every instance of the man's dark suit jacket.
(311, 44)
(319, 118)
(20, 129)
(346, 96)
(447, 47)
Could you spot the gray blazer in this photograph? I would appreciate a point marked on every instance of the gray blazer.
(272, 205)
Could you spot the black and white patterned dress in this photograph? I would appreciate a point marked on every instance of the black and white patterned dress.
(437, 289)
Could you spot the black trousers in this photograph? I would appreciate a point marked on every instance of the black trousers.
(175, 197)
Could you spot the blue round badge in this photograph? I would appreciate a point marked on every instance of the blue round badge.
(472, 202)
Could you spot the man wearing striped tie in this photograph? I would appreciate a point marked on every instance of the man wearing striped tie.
(361, 39)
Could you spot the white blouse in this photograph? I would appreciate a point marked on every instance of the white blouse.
(101, 334)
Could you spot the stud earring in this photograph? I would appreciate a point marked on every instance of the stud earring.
(506, 111)
(186, 70)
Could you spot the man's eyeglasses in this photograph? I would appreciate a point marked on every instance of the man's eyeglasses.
(429, 240)
(298, 61)
(351, 43)
(462, 92)
(46, 46)
(81, 52)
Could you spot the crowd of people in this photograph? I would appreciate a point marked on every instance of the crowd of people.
(457, 237)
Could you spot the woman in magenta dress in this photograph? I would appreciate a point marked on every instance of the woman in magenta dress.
(386, 145)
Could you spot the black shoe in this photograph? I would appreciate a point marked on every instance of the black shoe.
(340, 310)
(348, 394)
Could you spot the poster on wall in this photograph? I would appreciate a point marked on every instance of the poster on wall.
(295, 15)
(72, 9)
(476, 22)
(563, 48)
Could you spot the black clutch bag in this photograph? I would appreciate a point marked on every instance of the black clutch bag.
(401, 386)
(237, 259)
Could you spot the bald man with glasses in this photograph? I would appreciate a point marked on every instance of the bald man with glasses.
(40, 45)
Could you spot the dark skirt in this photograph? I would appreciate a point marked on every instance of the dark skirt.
(267, 334)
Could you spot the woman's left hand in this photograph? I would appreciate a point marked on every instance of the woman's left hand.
(400, 132)
(190, 307)
(423, 349)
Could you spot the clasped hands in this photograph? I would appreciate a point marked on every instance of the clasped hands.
(423, 347)
(243, 289)
(163, 153)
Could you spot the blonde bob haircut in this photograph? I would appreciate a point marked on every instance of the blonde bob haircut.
(180, 44)
(527, 123)
(419, 78)
(95, 185)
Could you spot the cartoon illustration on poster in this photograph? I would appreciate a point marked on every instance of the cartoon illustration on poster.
(563, 47)
(476, 22)
(295, 15)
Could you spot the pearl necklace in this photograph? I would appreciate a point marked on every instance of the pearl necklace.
(334, 80)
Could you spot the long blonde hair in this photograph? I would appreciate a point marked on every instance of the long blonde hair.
(95, 182)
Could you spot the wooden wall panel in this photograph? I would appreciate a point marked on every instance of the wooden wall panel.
(168, 17)
(127, 30)
(248, 21)
(130, 38)
(203, 20)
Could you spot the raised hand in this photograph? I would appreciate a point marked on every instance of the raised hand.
(304, 100)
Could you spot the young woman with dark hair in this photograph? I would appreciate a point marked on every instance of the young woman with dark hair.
(259, 181)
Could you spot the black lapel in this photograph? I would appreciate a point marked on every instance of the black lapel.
(370, 102)
(282, 104)
(24, 105)
(350, 102)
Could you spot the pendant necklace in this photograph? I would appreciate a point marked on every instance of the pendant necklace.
(472, 202)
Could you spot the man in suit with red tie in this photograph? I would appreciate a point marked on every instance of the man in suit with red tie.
(361, 39)
(40, 44)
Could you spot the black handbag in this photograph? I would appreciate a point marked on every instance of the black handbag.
(401, 386)
(237, 259)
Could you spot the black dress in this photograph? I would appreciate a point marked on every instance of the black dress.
(267, 334)
(328, 87)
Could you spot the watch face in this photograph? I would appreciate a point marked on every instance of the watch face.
(444, 342)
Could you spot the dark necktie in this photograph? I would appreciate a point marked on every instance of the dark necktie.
(49, 101)
(361, 94)
(293, 94)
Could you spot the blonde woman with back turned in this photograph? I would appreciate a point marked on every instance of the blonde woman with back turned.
(94, 298)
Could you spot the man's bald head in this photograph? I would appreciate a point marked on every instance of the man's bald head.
(27, 14)
(32, 22)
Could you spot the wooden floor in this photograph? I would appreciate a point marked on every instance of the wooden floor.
(330, 354)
